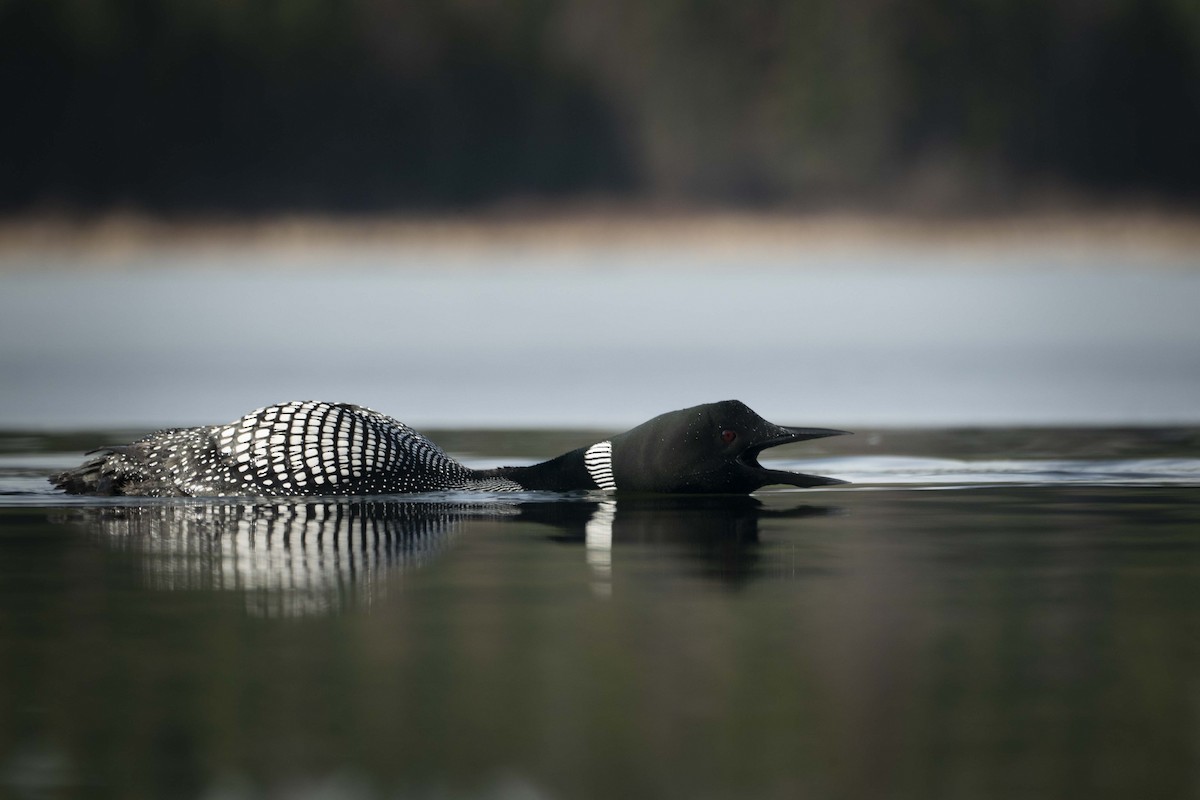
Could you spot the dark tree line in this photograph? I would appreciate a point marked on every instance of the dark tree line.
(359, 105)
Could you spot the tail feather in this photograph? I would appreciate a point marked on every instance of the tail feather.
(98, 476)
(120, 470)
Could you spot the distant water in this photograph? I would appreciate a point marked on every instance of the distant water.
(558, 337)
(983, 613)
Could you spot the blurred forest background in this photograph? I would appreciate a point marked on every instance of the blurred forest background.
(350, 106)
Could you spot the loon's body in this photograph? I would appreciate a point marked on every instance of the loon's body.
(312, 448)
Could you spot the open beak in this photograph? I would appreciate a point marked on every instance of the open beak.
(778, 435)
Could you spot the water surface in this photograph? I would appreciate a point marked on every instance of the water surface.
(983, 613)
(548, 337)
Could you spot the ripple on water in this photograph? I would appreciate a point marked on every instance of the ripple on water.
(960, 472)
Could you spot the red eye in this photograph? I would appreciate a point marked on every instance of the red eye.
(728, 436)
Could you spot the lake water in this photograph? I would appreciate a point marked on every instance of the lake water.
(982, 613)
(885, 334)
(1005, 601)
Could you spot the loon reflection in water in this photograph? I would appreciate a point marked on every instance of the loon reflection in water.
(294, 559)
(323, 449)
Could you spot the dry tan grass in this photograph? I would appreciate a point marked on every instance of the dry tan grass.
(1143, 236)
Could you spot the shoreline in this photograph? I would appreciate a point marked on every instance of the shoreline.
(1149, 235)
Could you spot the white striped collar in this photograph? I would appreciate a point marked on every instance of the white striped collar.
(598, 460)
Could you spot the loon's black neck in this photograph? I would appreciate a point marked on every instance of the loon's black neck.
(566, 473)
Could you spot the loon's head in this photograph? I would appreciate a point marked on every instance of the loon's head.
(712, 448)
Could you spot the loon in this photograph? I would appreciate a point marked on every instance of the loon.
(323, 449)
